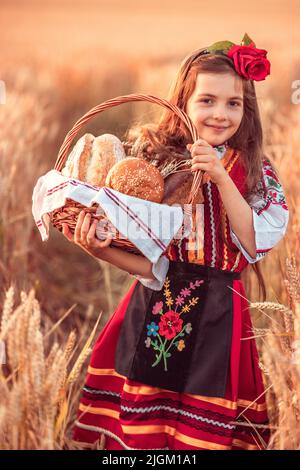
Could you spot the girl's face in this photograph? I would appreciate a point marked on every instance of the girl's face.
(216, 101)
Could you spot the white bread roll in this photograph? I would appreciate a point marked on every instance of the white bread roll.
(92, 157)
(76, 161)
(106, 151)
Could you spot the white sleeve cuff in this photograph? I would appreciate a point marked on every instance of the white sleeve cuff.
(240, 247)
(269, 227)
(159, 269)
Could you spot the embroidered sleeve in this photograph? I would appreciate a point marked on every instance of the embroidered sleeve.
(270, 214)
(159, 269)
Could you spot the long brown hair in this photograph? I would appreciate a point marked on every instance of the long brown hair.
(168, 138)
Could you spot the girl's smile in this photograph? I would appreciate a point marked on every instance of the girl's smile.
(217, 128)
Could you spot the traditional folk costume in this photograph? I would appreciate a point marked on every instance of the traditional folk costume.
(176, 366)
(173, 368)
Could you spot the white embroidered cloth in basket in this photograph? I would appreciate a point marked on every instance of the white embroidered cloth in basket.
(149, 226)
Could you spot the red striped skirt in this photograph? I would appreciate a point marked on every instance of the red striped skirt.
(125, 414)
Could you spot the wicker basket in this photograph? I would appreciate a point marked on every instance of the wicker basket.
(69, 213)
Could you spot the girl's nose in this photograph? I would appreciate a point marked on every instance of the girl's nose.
(219, 113)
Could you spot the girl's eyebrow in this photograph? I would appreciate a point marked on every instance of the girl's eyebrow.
(214, 96)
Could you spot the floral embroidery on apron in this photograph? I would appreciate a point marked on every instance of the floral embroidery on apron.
(178, 338)
(164, 333)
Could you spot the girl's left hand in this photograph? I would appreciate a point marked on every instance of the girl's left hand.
(205, 158)
(85, 235)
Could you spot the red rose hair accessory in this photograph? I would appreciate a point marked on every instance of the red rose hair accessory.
(249, 62)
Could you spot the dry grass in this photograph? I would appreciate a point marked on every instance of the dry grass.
(280, 352)
(38, 380)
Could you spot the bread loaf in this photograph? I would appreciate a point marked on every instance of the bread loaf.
(76, 161)
(106, 151)
(101, 161)
(138, 178)
(92, 157)
(178, 187)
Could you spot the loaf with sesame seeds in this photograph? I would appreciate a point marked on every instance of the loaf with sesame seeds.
(136, 177)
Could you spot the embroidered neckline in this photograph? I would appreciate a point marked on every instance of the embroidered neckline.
(221, 150)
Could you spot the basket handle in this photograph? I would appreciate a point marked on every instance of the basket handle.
(62, 155)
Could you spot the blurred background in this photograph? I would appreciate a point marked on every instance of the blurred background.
(60, 58)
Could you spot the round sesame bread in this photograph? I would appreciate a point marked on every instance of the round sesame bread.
(138, 178)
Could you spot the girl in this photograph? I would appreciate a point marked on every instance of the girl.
(176, 366)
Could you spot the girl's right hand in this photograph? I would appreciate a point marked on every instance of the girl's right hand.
(84, 235)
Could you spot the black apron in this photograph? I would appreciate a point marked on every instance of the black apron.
(179, 338)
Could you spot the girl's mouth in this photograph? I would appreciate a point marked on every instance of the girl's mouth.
(216, 128)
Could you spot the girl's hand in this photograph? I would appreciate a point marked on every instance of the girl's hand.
(84, 235)
(205, 158)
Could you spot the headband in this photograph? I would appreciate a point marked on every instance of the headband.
(249, 62)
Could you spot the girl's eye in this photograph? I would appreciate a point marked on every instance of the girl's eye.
(205, 100)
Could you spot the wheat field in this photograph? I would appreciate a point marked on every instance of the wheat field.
(60, 59)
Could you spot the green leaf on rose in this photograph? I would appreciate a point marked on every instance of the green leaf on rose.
(220, 47)
(247, 40)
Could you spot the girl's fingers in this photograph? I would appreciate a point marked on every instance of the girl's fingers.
(91, 237)
(67, 232)
(77, 232)
(91, 233)
(85, 227)
(106, 242)
(199, 151)
(201, 159)
(198, 142)
(85, 232)
(200, 166)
